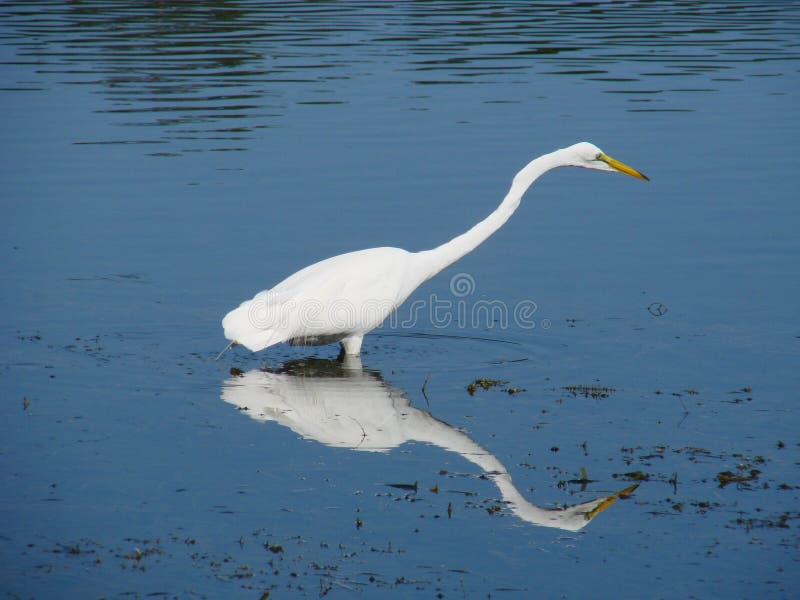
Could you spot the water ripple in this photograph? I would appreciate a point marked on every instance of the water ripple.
(186, 66)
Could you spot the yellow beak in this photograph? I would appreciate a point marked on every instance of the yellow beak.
(621, 167)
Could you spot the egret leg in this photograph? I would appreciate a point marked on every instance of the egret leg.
(351, 345)
(233, 344)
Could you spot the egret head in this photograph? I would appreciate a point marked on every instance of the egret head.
(590, 156)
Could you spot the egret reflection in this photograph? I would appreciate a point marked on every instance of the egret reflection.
(340, 404)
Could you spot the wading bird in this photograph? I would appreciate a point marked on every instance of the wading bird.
(343, 297)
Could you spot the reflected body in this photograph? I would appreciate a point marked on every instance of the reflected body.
(344, 297)
(344, 406)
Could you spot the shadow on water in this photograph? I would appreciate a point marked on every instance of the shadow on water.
(343, 405)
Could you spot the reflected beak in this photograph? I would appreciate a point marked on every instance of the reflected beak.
(600, 508)
(609, 500)
(621, 167)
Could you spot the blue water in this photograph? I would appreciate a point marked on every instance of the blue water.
(161, 162)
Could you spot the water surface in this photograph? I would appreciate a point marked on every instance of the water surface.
(164, 161)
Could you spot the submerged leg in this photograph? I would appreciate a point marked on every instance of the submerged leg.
(233, 344)
(351, 345)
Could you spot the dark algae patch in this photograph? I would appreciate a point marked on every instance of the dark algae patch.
(589, 391)
(633, 476)
(745, 474)
(483, 384)
(781, 521)
(742, 476)
(487, 384)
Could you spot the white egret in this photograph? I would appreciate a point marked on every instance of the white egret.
(342, 298)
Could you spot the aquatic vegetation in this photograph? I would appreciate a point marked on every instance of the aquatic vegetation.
(589, 391)
(484, 384)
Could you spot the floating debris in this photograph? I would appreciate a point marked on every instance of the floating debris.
(633, 476)
(657, 309)
(409, 487)
(424, 385)
(583, 480)
(589, 391)
(779, 522)
(742, 476)
(484, 384)
(137, 554)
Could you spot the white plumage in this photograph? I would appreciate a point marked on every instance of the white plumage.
(341, 298)
(337, 299)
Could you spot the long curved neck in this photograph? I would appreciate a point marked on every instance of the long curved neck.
(445, 255)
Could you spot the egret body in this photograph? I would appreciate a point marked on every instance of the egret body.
(342, 298)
